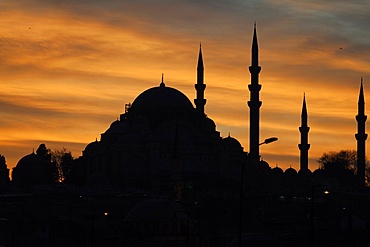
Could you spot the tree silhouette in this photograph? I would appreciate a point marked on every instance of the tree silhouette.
(2, 161)
(43, 151)
(338, 162)
(367, 174)
(4, 171)
(62, 160)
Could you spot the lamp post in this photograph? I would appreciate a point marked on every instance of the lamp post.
(266, 141)
(312, 218)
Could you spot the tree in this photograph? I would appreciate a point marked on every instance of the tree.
(62, 160)
(367, 174)
(2, 161)
(43, 151)
(339, 162)
(4, 171)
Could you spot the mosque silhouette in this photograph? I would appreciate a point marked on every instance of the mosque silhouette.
(162, 136)
(162, 175)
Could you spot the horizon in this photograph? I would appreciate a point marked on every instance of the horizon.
(67, 69)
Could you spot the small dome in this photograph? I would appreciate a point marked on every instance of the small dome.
(231, 144)
(318, 172)
(277, 170)
(161, 97)
(291, 171)
(305, 172)
(264, 166)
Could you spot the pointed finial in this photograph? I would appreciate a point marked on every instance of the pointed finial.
(200, 59)
(254, 47)
(229, 134)
(162, 82)
(255, 24)
(361, 97)
(304, 111)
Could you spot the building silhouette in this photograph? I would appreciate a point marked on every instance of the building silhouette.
(161, 137)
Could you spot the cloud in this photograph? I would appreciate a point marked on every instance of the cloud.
(67, 60)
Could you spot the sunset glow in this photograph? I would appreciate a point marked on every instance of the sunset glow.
(67, 68)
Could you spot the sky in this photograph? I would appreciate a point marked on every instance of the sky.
(67, 68)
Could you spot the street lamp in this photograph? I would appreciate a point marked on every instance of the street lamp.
(312, 218)
(266, 141)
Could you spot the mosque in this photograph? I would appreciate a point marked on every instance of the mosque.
(179, 180)
(161, 135)
(162, 139)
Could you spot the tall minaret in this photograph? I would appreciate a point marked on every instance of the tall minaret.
(254, 103)
(361, 137)
(200, 101)
(304, 129)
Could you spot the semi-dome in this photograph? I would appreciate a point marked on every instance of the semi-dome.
(161, 97)
(92, 148)
(118, 127)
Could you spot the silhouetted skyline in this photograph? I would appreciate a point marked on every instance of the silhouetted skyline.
(68, 69)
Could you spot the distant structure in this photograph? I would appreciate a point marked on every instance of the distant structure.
(361, 137)
(254, 103)
(33, 169)
(304, 146)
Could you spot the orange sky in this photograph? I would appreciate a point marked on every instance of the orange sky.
(67, 69)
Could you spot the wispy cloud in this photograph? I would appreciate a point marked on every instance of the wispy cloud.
(67, 60)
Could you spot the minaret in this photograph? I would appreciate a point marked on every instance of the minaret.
(254, 103)
(304, 129)
(361, 137)
(200, 101)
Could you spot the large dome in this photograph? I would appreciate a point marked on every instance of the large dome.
(161, 97)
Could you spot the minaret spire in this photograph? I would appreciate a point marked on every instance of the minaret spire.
(304, 129)
(254, 103)
(361, 137)
(200, 101)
